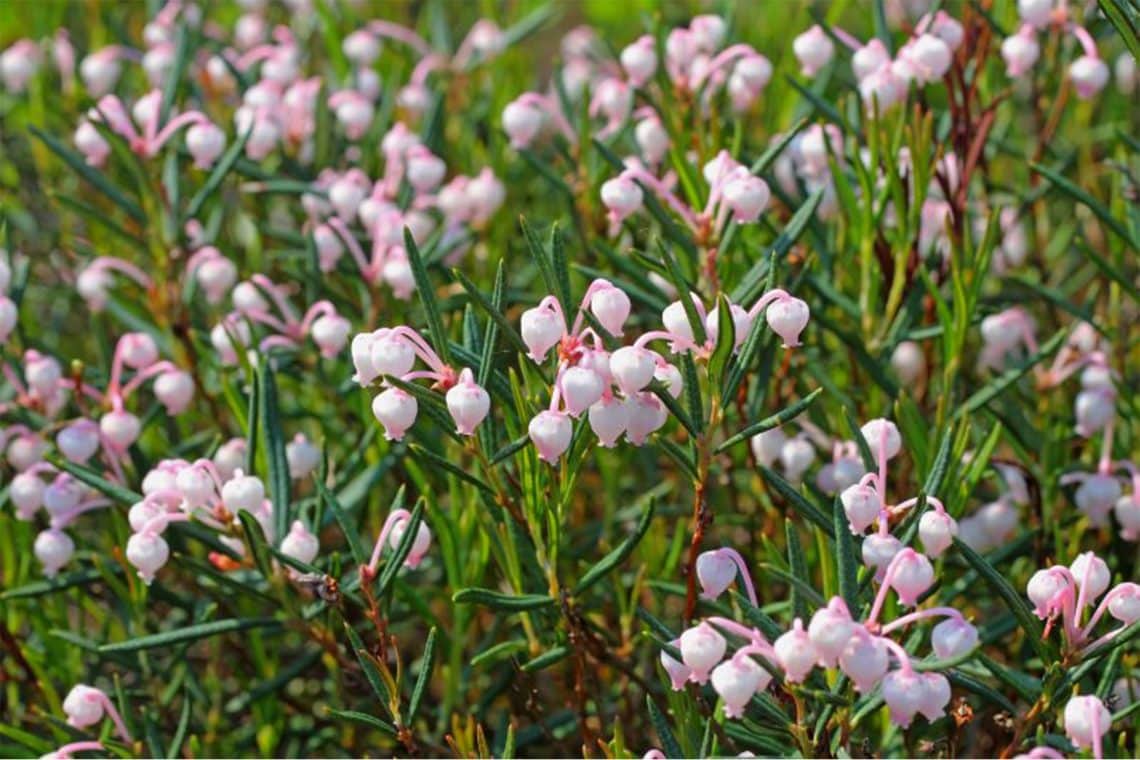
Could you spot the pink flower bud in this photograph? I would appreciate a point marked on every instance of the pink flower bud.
(736, 681)
(195, 485)
(142, 512)
(640, 60)
(676, 320)
(138, 350)
(622, 196)
(741, 325)
(330, 333)
(937, 531)
(329, 246)
(521, 122)
(864, 659)
(1092, 572)
(930, 58)
(716, 571)
(935, 696)
(83, 706)
(541, 327)
(119, 429)
(581, 389)
(27, 494)
(147, 552)
(300, 544)
(908, 362)
(829, 631)
(861, 505)
(796, 653)
(1127, 511)
(788, 317)
(243, 492)
(912, 576)
(632, 368)
(1089, 75)
(26, 450)
(813, 50)
(652, 138)
(1020, 52)
(1094, 409)
(1096, 496)
(91, 144)
(550, 431)
(425, 170)
(229, 458)
(903, 691)
(609, 418)
(396, 410)
(678, 672)
(216, 275)
(174, 390)
(874, 435)
(671, 378)
(1037, 13)
(8, 317)
(878, 551)
(702, 648)
(1087, 720)
(53, 548)
(205, 143)
(361, 48)
(766, 446)
(952, 638)
(389, 353)
(611, 306)
(78, 441)
(708, 32)
(1043, 588)
(646, 415)
(302, 456)
(420, 544)
(870, 58)
(1125, 603)
(747, 196)
(468, 403)
(62, 495)
(796, 456)
(42, 373)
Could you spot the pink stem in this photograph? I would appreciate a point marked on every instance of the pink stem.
(1085, 39)
(900, 654)
(913, 617)
(278, 297)
(740, 564)
(117, 719)
(123, 267)
(317, 310)
(846, 38)
(641, 175)
(395, 517)
(66, 518)
(172, 126)
(158, 523)
(400, 34)
(881, 596)
(680, 340)
(744, 632)
(1103, 606)
(353, 245)
(722, 59)
(766, 300)
(143, 375)
(67, 750)
(421, 347)
(1104, 466)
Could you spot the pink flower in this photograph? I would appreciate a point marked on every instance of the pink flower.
(550, 431)
(468, 403)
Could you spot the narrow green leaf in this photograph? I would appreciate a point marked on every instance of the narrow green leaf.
(847, 566)
(426, 665)
(773, 421)
(221, 170)
(368, 667)
(546, 659)
(87, 476)
(618, 555)
(355, 548)
(365, 718)
(669, 744)
(427, 297)
(492, 311)
(274, 442)
(189, 633)
(797, 501)
(92, 175)
(255, 537)
(1014, 601)
(995, 387)
(725, 340)
(499, 601)
(1082, 196)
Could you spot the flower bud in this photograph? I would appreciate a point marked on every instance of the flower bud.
(79, 441)
(813, 50)
(878, 551)
(229, 458)
(611, 306)
(747, 196)
(622, 196)
(609, 418)
(903, 691)
(300, 544)
(27, 494)
(216, 275)
(53, 548)
(796, 455)
(702, 648)
(361, 47)
(678, 672)
(870, 58)
(937, 531)
(861, 505)
(396, 410)
(425, 169)
(935, 696)
(882, 433)
(1096, 496)
(195, 485)
(930, 57)
(1092, 572)
(330, 333)
(521, 122)
(788, 317)
(952, 638)
(1127, 511)
(1089, 75)
(26, 450)
(830, 629)
(83, 706)
(632, 368)
(736, 681)
(1043, 588)
(796, 653)
(541, 327)
(205, 143)
(550, 431)
(147, 552)
(864, 659)
(741, 325)
(708, 32)
(142, 512)
(716, 570)
(42, 373)
(243, 492)
(640, 60)
(646, 415)
(420, 544)
(174, 390)
(119, 429)
(93, 284)
(468, 403)
(1094, 410)
(581, 389)
(908, 362)
(669, 376)
(912, 576)
(1125, 603)
(398, 274)
(652, 138)
(766, 446)
(1020, 52)
(302, 456)
(90, 142)
(1087, 720)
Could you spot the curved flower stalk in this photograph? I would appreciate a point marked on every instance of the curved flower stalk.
(393, 352)
(85, 706)
(1088, 73)
(1064, 594)
(95, 280)
(320, 321)
(391, 535)
(204, 140)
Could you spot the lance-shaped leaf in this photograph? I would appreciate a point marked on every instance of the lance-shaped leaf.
(222, 168)
(190, 633)
(1014, 601)
(500, 601)
(96, 178)
(274, 442)
(774, 421)
(403, 549)
(427, 297)
(426, 665)
(995, 387)
(618, 555)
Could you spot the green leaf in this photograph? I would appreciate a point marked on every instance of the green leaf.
(499, 601)
(436, 461)
(174, 74)
(769, 156)
(87, 476)
(221, 170)
(995, 387)
(1084, 198)
(368, 667)
(58, 583)
(773, 421)
(255, 537)
(427, 296)
(491, 310)
(426, 665)
(355, 548)
(1014, 601)
(746, 291)
(365, 718)
(560, 266)
(725, 340)
(797, 501)
(1122, 18)
(546, 659)
(92, 175)
(190, 633)
(798, 566)
(274, 441)
(510, 449)
(846, 564)
(696, 324)
(669, 744)
(618, 555)
(542, 260)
